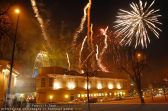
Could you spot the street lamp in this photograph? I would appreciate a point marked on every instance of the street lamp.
(140, 57)
(17, 12)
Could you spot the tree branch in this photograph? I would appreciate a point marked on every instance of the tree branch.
(4, 12)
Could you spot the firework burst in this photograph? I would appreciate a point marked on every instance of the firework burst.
(134, 25)
(42, 60)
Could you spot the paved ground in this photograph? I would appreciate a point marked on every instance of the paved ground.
(127, 107)
(158, 103)
(148, 100)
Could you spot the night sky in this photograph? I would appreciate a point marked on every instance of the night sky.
(69, 12)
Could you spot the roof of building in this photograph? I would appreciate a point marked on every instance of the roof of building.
(6, 64)
(3, 63)
(62, 71)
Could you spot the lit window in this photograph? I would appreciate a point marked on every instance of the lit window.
(57, 85)
(110, 86)
(85, 86)
(100, 94)
(82, 95)
(115, 94)
(71, 85)
(99, 86)
(85, 95)
(118, 86)
(95, 95)
(78, 95)
(123, 93)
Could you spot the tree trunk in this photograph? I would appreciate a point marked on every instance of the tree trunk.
(139, 89)
(141, 96)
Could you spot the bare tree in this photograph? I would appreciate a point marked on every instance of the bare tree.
(133, 66)
(5, 34)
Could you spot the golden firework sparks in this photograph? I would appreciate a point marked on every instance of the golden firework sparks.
(69, 64)
(83, 20)
(40, 20)
(97, 52)
(100, 64)
(80, 52)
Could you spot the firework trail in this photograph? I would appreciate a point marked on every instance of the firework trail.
(89, 55)
(134, 25)
(91, 36)
(89, 26)
(68, 61)
(101, 66)
(39, 19)
(104, 33)
(97, 52)
(83, 20)
(80, 53)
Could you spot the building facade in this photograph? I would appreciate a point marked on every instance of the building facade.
(57, 85)
(4, 76)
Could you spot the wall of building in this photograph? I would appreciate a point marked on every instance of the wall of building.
(66, 88)
(4, 78)
(3, 86)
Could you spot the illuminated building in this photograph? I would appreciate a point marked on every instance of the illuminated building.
(55, 84)
(4, 76)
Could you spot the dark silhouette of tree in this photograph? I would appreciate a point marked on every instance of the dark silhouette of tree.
(5, 34)
(133, 65)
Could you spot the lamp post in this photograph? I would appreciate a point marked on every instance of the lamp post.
(8, 99)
